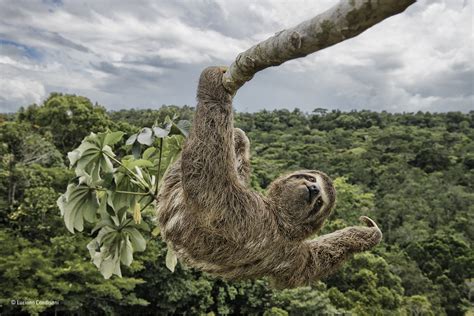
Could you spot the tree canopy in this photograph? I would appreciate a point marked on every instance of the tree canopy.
(412, 172)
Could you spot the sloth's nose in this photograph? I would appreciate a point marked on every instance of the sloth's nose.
(314, 189)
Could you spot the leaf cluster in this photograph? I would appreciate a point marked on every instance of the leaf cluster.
(112, 191)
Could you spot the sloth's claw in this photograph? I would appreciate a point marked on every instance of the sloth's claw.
(369, 222)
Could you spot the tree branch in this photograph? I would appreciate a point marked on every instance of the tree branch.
(345, 20)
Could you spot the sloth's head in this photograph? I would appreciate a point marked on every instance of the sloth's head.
(302, 201)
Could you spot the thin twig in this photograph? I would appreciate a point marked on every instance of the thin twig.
(146, 205)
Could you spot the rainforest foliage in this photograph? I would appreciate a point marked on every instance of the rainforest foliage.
(411, 172)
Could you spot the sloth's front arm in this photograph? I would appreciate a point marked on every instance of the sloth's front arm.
(318, 258)
(212, 175)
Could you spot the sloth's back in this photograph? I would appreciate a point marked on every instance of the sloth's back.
(228, 248)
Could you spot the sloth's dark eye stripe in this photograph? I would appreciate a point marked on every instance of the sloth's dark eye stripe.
(295, 176)
(306, 176)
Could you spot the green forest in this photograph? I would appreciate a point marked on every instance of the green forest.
(411, 172)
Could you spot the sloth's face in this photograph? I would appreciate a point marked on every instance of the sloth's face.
(304, 200)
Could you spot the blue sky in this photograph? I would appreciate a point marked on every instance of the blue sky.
(143, 54)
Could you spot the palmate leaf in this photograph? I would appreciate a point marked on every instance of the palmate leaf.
(94, 159)
(106, 257)
(120, 200)
(93, 155)
(105, 138)
(132, 163)
(117, 240)
(145, 136)
(181, 128)
(171, 150)
(119, 193)
(112, 138)
(149, 153)
(144, 177)
(110, 266)
(131, 139)
(172, 128)
(78, 203)
(171, 259)
(136, 149)
(161, 132)
(126, 253)
(138, 242)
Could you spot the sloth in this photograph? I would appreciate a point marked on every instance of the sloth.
(216, 223)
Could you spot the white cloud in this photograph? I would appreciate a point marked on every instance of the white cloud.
(19, 91)
(144, 53)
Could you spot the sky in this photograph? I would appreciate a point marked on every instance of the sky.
(145, 53)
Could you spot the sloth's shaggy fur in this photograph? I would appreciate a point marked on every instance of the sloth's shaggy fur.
(216, 223)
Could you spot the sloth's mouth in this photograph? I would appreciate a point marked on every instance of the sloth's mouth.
(315, 199)
(317, 206)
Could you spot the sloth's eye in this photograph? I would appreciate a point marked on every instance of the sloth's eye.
(311, 179)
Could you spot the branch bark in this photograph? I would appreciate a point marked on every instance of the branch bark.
(345, 20)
